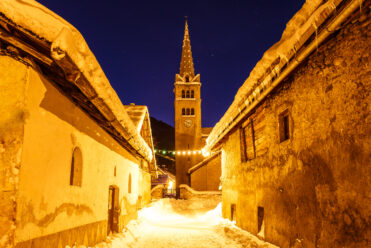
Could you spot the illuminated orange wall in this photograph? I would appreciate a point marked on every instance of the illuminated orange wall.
(314, 187)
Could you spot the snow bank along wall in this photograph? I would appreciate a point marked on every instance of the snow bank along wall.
(63, 164)
(296, 169)
(207, 199)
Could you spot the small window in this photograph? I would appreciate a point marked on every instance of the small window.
(114, 171)
(187, 94)
(192, 111)
(233, 212)
(247, 141)
(284, 126)
(260, 219)
(192, 94)
(129, 184)
(76, 168)
(183, 111)
(188, 111)
(183, 94)
(187, 79)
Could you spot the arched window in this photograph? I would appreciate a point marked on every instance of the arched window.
(192, 111)
(76, 167)
(183, 111)
(188, 113)
(129, 184)
(183, 94)
(192, 94)
(187, 94)
(187, 79)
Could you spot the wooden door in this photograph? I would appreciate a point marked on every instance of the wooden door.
(113, 210)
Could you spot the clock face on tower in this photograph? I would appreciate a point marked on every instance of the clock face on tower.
(188, 123)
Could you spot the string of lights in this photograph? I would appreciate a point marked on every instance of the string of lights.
(183, 152)
(172, 152)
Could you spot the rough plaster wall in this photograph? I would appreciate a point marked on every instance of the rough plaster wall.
(199, 179)
(145, 189)
(314, 187)
(13, 84)
(208, 176)
(46, 202)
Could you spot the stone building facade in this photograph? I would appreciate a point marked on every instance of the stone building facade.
(296, 161)
(75, 165)
(189, 138)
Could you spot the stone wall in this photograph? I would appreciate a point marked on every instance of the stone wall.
(313, 188)
(158, 191)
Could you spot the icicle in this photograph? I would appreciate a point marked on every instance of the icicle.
(333, 5)
(316, 29)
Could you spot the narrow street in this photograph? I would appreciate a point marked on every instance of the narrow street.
(184, 224)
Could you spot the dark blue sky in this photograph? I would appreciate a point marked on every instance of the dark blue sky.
(138, 44)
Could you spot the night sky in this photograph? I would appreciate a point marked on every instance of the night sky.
(138, 44)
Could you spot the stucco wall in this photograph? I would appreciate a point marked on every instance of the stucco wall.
(314, 187)
(51, 126)
(13, 84)
(207, 177)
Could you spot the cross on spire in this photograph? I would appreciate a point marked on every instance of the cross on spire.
(186, 63)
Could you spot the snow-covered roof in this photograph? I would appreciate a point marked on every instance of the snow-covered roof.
(205, 131)
(68, 45)
(137, 114)
(283, 57)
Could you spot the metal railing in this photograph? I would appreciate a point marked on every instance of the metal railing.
(169, 193)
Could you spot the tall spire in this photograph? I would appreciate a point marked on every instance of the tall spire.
(186, 63)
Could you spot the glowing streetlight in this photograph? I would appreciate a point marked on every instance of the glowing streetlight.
(205, 153)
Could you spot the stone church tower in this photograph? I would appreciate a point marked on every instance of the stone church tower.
(188, 139)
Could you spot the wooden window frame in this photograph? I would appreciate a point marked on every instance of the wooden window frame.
(247, 132)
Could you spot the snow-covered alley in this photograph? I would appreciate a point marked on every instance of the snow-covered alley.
(182, 223)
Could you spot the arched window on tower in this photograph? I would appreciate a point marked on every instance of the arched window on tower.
(187, 79)
(192, 111)
(76, 168)
(187, 94)
(188, 111)
(192, 94)
(183, 111)
(183, 94)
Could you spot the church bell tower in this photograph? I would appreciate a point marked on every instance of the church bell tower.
(187, 103)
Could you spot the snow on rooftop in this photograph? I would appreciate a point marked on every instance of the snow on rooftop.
(301, 26)
(65, 40)
(137, 114)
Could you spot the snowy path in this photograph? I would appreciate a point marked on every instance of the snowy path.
(184, 224)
